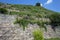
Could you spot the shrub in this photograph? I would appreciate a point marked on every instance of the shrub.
(32, 21)
(3, 11)
(38, 4)
(34, 10)
(55, 20)
(13, 12)
(41, 24)
(38, 15)
(22, 22)
(38, 35)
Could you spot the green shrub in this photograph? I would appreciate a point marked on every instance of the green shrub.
(3, 11)
(13, 12)
(29, 8)
(38, 35)
(34, 11)
(41, 24)
(38, 4)
(38, 15)
(32, 22)
(55, 20)
(22, 22)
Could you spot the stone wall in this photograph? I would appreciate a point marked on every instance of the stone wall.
(9, 31)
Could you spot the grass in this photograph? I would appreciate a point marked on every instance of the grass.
(38, 35)
(53, 39)
(22, 23)
(27, 19)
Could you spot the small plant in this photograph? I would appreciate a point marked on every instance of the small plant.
(32, 22)
(38, 16)
(3, 11)
(35, 11)
(22, 22)
(38, 35)
(41, 24)
(13, 12)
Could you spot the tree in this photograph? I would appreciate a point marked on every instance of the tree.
(38, 4)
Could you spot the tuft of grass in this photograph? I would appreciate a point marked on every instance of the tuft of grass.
(38, 35)
(53, 39)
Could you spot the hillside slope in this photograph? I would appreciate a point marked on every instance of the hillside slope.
(33, 17)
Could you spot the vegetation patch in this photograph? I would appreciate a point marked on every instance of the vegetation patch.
(38, 35)
(22, 22)
(55, 20)
(3, 11)
(53, 39)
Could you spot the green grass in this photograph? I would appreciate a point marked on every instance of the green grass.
(22, 23)
(29, 9)
(38, 35)
(26, 20)
(3, 11)
(53, 39)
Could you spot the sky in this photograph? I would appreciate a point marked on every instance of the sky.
(53, 5)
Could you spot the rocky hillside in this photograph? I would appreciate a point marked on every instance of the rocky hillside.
(33, 15)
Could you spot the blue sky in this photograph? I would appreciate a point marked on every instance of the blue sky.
(49, 4)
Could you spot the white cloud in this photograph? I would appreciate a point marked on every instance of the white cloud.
(48, 2)
(41, 4)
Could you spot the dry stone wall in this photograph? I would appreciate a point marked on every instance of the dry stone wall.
(9, 31)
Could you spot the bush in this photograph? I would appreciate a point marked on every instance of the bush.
(3, 11)
(41, 24)
(38, 4)
(35, 11)
(38, 35)
(12, 13)
(38, 15)
(55, 20)
(22, 22)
